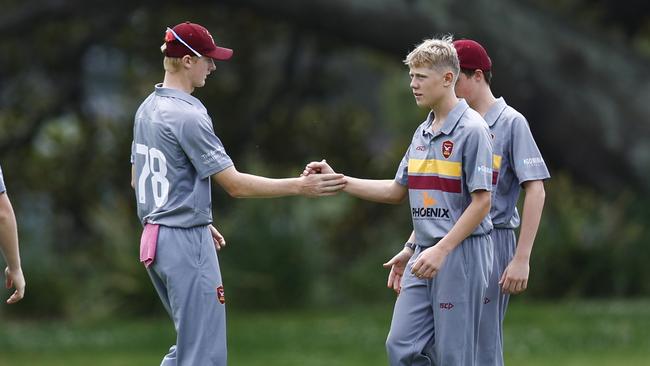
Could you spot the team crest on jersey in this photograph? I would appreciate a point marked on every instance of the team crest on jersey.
(447, 148)
(221, 296)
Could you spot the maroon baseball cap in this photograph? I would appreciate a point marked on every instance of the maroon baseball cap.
(472, 55)
(193, 39)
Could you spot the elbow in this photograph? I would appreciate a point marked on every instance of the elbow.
(483, 202)
(541, 193)
(487, 205)
(396, 195)
(395, 199)
(234, 191)
(7, 218)
(6, 211)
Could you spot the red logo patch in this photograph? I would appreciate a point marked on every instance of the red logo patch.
(221, 296)
(447, 148)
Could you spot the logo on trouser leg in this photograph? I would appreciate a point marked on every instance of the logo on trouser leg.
(221, 296)
(486, 301)
(446, 305)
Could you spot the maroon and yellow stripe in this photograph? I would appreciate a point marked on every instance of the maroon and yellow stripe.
(435, 183)
(427, 174)
(496, 165)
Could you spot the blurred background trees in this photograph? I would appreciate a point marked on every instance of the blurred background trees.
(311, 80)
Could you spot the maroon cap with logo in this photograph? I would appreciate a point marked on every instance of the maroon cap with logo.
(193, 39)
(472, 55)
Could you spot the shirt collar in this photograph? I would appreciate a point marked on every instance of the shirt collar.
(495, 111)
(176, 93)
(452, 119)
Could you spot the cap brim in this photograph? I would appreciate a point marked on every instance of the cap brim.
(220, 53)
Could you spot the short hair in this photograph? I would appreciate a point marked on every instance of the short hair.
(172, 64)
(487, 75)
(436, 53)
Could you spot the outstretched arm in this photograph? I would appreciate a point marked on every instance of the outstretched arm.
(383, 191)
(243, 185)
(9, 249)
(515, 277)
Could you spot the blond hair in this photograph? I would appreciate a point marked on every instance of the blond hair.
(439, 54)
(172, 64)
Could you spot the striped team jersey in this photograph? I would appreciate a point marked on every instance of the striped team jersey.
(442, 168)
(516, 160)
(174, 152)
(2, 182)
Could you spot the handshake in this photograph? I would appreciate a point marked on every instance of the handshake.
(319, 179)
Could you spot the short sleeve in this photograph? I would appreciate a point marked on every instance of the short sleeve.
(527, 161)
(402, 175)
(477, 159)
(132, 151)
(203, 147)
(2, 182)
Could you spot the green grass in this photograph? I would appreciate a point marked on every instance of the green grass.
(568, 333)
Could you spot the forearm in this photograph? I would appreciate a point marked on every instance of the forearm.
(253, 186)
(530, 218)
(468, 221)
(8, 234)
(383, 191)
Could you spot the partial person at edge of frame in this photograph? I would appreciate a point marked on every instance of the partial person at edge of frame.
(9, 246)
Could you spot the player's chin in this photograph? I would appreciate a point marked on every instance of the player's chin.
(421, 103)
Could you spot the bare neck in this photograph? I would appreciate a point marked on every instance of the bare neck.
(483, 101)
(177, 81)
(442, 108)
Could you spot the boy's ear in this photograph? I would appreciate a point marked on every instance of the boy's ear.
(448, 79)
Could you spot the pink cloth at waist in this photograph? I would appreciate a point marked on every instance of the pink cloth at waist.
(148, 243)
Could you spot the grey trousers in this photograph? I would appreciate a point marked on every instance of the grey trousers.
(187, 278)
(490, 348)
(436, 321)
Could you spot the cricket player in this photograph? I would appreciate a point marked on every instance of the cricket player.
(9, 246)
(517, 163)
(175, 153)
(447, 174)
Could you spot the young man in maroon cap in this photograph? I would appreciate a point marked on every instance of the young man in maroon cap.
(517, 163)
(174, 153)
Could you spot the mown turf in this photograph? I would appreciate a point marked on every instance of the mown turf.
(594, 333)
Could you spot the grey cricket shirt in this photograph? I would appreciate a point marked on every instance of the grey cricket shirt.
(517, 159)
(443, 168)
(175, 151)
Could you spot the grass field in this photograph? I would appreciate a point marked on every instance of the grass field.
(567, 333)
